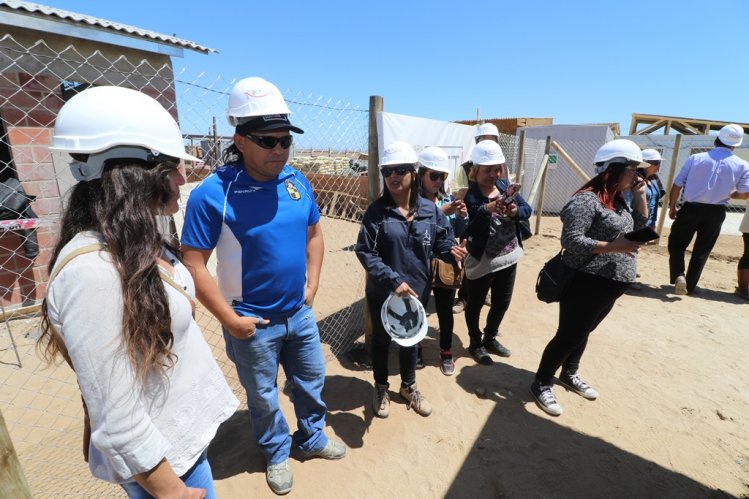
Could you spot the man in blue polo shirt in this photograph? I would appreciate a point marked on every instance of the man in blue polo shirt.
(260, 216)
(708, 180)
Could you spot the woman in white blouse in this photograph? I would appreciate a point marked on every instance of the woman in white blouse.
(119, 304)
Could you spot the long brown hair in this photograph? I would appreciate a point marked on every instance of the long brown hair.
(121, 206)
(605, 185)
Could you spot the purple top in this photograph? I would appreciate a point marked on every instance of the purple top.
(710, 177)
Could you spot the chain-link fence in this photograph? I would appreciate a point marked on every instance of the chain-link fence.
(42, 405)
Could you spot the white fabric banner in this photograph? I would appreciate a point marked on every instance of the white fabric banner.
(455, 139)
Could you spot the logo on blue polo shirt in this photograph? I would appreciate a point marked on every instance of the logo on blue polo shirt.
(292, 190)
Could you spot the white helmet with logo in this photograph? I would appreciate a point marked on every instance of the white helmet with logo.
(731, 135)
(115, 122)
(398, 153)
(487, 152)
(404, 319)
(617, 151)
(435, 159)
(651, 155)
(486, 129)
(254, 96)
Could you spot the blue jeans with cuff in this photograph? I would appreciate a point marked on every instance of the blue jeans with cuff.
(293, 342)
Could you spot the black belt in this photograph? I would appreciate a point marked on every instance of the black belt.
(707, 205)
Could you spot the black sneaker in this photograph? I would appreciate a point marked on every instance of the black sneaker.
(447, 365)
(573, 381)
(492, 345)
(419, 358)
(545, 398)
(481, 356)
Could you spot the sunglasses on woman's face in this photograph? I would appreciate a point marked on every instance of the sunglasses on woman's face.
(269, 142)
(398, 170)
(435, 176)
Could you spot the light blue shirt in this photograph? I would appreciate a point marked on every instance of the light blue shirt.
(710, 177)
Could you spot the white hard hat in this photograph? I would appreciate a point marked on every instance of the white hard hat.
(102, 118)
(731, 135)
(617, 151)
(487, 152)
(404, 319)
(651, 155)
(254, 96)
(435, 159)
(486, 129)
(398, 153)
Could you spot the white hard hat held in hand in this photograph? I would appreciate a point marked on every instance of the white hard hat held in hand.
(651, 155)
(404, 319)
(486, 129)
(435, 159)
(487, 152)
(115, 122)
(398, 153)
(731, 135)
(617, 151)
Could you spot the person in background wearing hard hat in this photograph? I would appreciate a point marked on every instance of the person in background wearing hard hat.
(119, 305)
(742, 290)
(486, 131)
(400, 232)
(260, 216)
(433, 173)
(494, 247)
(708, 180)
(594, 223)
(653, 186)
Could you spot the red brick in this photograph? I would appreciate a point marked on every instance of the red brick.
(26, 101)
(38, 82)
(48, 189)
(30, 135)
(12, 116)
(47, 206)
(41, 117)
(21, 154)
(42, 171)
(41, 154)
(9, 80)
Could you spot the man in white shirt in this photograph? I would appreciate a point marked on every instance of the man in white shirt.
(709, 180)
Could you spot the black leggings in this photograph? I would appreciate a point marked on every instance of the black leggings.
(381, 346)
(586, 303)
(501, 282)
(744, 262)
(443, 302)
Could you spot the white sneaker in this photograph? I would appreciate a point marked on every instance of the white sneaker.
(279, 477)
(680, 287)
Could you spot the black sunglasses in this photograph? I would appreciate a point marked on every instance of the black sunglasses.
(399, 170)
(435, 176)
(268, 142)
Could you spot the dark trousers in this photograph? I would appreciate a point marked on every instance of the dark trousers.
(381, 347)
(586, 303)
(744, 261)
(501, 282)
(704, 220)
(443, 302)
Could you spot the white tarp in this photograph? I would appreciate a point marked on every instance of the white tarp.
(455, 139)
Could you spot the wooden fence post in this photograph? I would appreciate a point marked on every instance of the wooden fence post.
(671, 174)
(521, 157)
(376, 105)
(12, 480)
(544, 164)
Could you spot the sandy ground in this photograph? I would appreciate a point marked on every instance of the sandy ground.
(671, 421)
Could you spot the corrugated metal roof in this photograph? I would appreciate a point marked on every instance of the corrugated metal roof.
(35, 8)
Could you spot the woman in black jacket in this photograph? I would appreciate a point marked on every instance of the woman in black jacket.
(400, 232)
(494, 247)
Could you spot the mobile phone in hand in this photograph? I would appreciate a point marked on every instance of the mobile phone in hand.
(643, 235)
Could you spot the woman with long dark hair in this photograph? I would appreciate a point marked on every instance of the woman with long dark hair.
(433, 173)
(400, 232)
(119, 305)
(594, 223)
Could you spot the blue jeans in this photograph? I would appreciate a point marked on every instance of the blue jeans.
(294, 342)
(199, 477)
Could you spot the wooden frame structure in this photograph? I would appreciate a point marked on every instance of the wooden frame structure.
(685, 126)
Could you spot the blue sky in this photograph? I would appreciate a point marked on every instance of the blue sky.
(576, 61)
